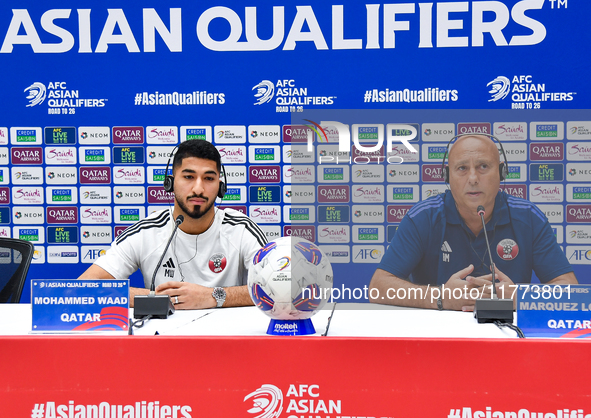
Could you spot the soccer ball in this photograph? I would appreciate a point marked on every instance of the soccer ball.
(291, 278)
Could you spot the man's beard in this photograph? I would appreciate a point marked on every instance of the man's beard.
(198, 211)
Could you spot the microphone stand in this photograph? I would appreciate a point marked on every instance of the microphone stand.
(493, 309)
(152, 305)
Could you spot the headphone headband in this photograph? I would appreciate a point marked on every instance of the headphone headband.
(503, 167)
(168, 184)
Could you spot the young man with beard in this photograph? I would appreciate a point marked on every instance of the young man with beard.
(207, 263)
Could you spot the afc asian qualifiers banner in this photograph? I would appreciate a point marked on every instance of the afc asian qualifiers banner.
(489, 54)
(94, 377)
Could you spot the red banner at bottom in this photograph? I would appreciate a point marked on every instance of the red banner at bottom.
(291, 377)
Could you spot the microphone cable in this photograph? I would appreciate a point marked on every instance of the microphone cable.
(515, 328)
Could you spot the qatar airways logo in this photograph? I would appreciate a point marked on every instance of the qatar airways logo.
(157, 194)
(95, 175)
(26, 156)
(517, 190)
(4, 195)
(333, 194)
(128, 135)
(578, 213)
(67, 215)
(259, 174)
(432, 173)
(397, 212)
(304, 231)
(553, 151)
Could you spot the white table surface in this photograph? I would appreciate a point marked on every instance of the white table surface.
(349, 320)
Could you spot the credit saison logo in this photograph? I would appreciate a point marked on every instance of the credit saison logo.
(299, 214)
(61, 195)
(29, 234)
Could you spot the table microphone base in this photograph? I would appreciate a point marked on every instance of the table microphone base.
(491, 310)
(159, 306)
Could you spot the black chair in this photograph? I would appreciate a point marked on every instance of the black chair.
(15, 259)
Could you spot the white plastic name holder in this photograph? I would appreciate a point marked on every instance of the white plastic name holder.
(89, 306)
(554, 311)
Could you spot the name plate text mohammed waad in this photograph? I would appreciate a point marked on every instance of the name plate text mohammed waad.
(89, 306)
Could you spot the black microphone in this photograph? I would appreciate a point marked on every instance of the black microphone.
(152, 305)
(493, 309)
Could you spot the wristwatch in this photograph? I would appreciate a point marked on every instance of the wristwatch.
(440, 300)
(219, 294)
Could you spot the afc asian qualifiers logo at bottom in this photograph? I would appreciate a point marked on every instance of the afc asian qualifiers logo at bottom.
(507, 249)
(267, 402)
(217, 263)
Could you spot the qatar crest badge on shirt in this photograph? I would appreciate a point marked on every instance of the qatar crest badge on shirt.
(507, 249)
(217, 262)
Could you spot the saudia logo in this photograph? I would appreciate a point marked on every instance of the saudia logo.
(121, 173)
(264, 212)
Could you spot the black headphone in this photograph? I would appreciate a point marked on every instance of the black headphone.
(168, 184)
(503, 167)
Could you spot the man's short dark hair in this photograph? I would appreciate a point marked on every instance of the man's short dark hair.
(197, 148)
